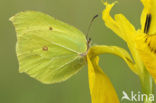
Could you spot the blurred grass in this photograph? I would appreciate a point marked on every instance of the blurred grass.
(20, 88)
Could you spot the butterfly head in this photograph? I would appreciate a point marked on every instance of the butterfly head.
(88, 43)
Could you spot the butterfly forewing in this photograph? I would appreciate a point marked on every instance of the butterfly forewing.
(47, 49)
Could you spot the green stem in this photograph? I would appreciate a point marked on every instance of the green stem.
(147, 85)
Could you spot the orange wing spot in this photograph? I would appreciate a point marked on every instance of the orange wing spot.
(45, 48)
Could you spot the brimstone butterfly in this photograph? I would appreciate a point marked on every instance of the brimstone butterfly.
(48, 49)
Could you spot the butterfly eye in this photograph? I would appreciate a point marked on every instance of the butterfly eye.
(45, 48)
(50, 28)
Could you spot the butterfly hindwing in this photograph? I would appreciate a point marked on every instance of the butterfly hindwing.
(47, 49)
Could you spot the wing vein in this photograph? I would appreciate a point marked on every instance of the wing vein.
(59, 45)
(63, 65)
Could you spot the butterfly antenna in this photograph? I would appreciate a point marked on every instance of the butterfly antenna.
(90, 24)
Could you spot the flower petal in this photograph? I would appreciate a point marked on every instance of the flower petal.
(146, 46)
(123, 28)
(120, 25)
(149, 9)
(98, 50)
(101, 89)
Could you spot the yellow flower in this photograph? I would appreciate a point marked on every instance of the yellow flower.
(142, 42)
(101, 89)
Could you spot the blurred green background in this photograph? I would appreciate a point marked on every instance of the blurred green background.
(20, 88)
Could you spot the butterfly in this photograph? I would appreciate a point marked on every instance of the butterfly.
(47, 49)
